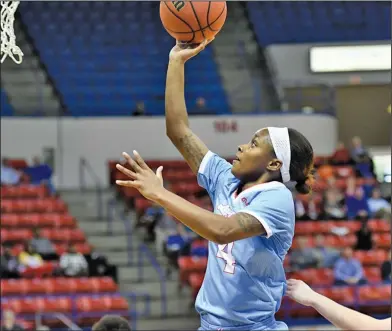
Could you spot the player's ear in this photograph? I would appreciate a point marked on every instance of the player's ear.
(274, 165)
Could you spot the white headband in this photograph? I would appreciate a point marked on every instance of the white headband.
(281, 143)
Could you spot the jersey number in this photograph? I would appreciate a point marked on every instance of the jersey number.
(224, 252)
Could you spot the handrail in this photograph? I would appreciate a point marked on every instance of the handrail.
(145, 251)
(67, 322)
(85, 165)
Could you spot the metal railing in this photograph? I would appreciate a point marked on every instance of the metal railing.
(85, 167)
(145, 252)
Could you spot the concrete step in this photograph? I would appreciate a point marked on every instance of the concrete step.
(154, 289)
(118, 242)
(42, 92)
(12, 77)
(130, 274)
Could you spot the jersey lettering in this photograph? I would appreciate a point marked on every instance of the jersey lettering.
(224, 253)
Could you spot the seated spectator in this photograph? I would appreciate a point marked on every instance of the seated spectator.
(40, 173)
(303, 257)
(98, 265)
(9, 175)
(325, 171)
(200, 107)
(364, 238)
(166, 226)
(348, 270)
(72, 263)
(364, 167)
(9, 264)
(326, 256)
(341, 155)
(386, 274)
(140, 109)
(357, 149)
(29, 258)
(357, 206)
(9, 321)
(333, 207)
(150, 219)
(306, 212)
(43, 245)
(378, 206)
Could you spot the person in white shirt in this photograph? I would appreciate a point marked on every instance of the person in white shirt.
(377, 204)
(73, 264)
(340, 316)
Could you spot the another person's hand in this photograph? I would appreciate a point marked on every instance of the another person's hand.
(142, 178)
(300, 292)
(183, 51)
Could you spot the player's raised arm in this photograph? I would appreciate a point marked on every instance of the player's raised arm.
(177, 125)
(340, 316)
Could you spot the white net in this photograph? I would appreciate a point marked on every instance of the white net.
(8, 46)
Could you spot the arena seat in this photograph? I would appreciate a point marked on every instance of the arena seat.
(286, 22)
(55, 235)
(50, 220)
(24, 191)
(189, 265)
(96, 51)
(33, 205)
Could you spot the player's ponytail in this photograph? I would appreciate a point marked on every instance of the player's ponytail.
(301, 165)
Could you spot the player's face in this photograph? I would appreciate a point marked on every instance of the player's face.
(255, 158)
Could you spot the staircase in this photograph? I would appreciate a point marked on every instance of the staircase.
(244, 74)
(114, 244)
(27, 84)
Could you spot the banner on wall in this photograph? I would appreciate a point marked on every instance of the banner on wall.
(99, 140)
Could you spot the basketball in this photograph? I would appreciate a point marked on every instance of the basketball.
(193, 21)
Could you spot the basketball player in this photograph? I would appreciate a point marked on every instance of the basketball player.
(112, 323)
(340, 316)
(253, 224)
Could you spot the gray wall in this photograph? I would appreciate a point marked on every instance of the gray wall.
(291, 64)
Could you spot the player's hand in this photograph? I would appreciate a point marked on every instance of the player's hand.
(183, 51)
(300, 292)
(142, 178)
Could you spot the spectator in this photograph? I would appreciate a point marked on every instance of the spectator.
(341, 155)
(165, 227)
(40, 173)
(140, 109)
(378, 206)
(29, 258)
(348, 270)
(386, 275)
(364, 167)
(357, 206)
(306, 212)
(303, 257)
(73, 264)
(9, 321)
(98, 265)
(9, 175)
(357, 149)
(150, 219)
(9, 264)
(364, 238)
(326, 256)
(43, 245)
(334, 207)
(325, 171)
(201, 107)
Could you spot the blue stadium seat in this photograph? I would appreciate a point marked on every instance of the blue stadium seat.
(105, 56)
(284, 22)
(6, 109)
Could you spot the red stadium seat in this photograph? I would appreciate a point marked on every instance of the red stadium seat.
(195, 281)
(377, 294)
(64, 235)
(24, 191)
(373, 274)
(17, 163)
(101, 304)
(188, 265)
(379, 226)
(58, 304)
(340, 294)
(15, 235)
(383, 240)
(36, 205)
(14, 287)
(373, 257)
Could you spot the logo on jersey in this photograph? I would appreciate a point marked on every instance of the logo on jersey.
(244, 201)
(178, 5)
(225, 210)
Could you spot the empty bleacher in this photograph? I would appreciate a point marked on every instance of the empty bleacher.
(285, 22)
(106, 56)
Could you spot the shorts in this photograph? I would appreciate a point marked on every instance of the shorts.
(269, 324)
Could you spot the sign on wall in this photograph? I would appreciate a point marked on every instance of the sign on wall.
(102, 139)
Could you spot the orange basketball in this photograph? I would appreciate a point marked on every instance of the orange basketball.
(193, 21)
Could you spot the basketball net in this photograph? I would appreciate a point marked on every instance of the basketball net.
(8, 47)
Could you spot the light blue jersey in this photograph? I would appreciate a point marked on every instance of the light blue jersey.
(245, 280)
